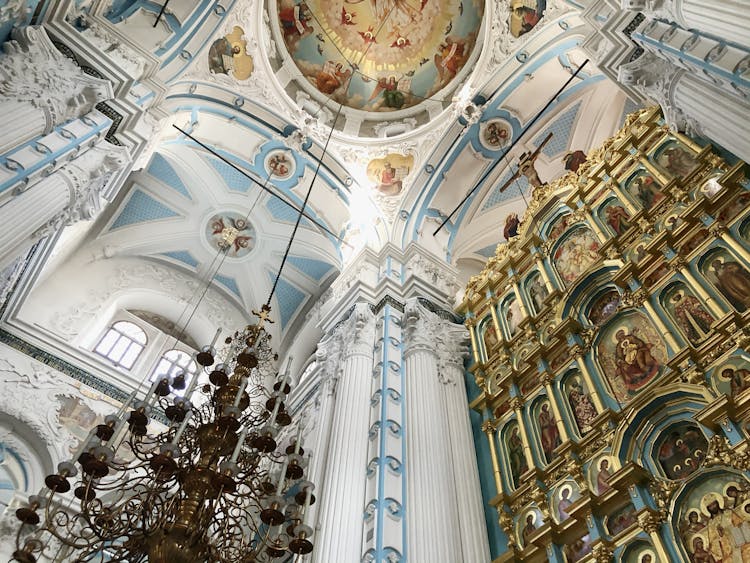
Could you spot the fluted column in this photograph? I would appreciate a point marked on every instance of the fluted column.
(328, 358)
(68, 195)
(728, 19)
(432, 527)
(470, 511)
(342, 497)
(720, 117)
(40, 88)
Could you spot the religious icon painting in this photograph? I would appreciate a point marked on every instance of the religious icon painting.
(581, 404)
(688, 312)
(549, 435)
(495, 134)
(620, 519)
(537, 291)
(681, 450)
(676, 159)
(600, 472)
(631, 353)
(736, 206)
(713, 519)
(604, 306)
(577, 549)
(729, 276)
(515, 452)
(228, 55)
(388, 173)
(639, 552)
(489, 337)
(562, 498)
(511, 315)
(525, 15)
(577, 251)
(615, 216)
(528, 524)
(732, 377)
(280, 164)
(645, 189)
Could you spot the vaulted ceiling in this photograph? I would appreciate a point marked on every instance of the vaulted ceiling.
(240, 82)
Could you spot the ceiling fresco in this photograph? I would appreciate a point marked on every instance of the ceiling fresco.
(380, 55)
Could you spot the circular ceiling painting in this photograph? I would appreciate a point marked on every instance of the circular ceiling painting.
(380, 55)
(232, 233)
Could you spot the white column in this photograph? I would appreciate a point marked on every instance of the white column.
(40, 88)
(327, 356)
(342, 502)
(432, 527)
(469, 504)
(720, 117)
(68, 195)
(728, 19)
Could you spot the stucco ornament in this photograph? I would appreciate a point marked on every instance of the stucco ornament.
(33, 71)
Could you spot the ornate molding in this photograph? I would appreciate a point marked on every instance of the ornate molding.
(36, 73)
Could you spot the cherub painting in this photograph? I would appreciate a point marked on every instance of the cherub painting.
(631, 353)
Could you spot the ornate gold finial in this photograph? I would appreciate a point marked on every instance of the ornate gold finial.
(264, 315)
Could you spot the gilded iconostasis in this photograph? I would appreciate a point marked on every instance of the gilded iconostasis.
(610, 358)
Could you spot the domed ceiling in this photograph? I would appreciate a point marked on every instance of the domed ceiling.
(380, 55)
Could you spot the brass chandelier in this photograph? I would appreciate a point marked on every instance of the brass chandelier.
(214, 486)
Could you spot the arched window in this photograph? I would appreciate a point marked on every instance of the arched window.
(122, 344)
(173, 361)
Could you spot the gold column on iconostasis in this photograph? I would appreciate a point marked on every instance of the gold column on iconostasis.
(516, 405)
(601, 235)
(517, 291)
(471, 324)
(489, 429)
(650, 524)
(586, 374)
(561, 428)
(720, 231)
(653, 170)
(622, 197)
(654, 316)
(543, 272)
(679, 264)
(495, 319)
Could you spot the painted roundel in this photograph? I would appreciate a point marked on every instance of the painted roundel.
(380, 55)
(232, 233)
(495, 134)
(279, 164)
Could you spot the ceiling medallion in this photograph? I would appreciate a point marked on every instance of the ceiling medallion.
(379, 55)
(279, 164)
(495, 134)
(232, 233)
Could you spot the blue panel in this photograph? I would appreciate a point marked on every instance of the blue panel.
(316, 269)
(235, 180)
(561, 129)
(511, 192)
(142, 208)
(487, 251)
(160, 169)
(282, 212)
(229, 283)
(182, 256)
(288, 298)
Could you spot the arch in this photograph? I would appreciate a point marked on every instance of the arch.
(28, 459)
(514, 457)
(612, 215)
(677, 401)
(122, 343)
(535, 291)
(510, 315)
(578, 403)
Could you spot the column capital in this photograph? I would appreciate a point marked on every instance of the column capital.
(357, 332)
(38, 74)
(426, 331)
